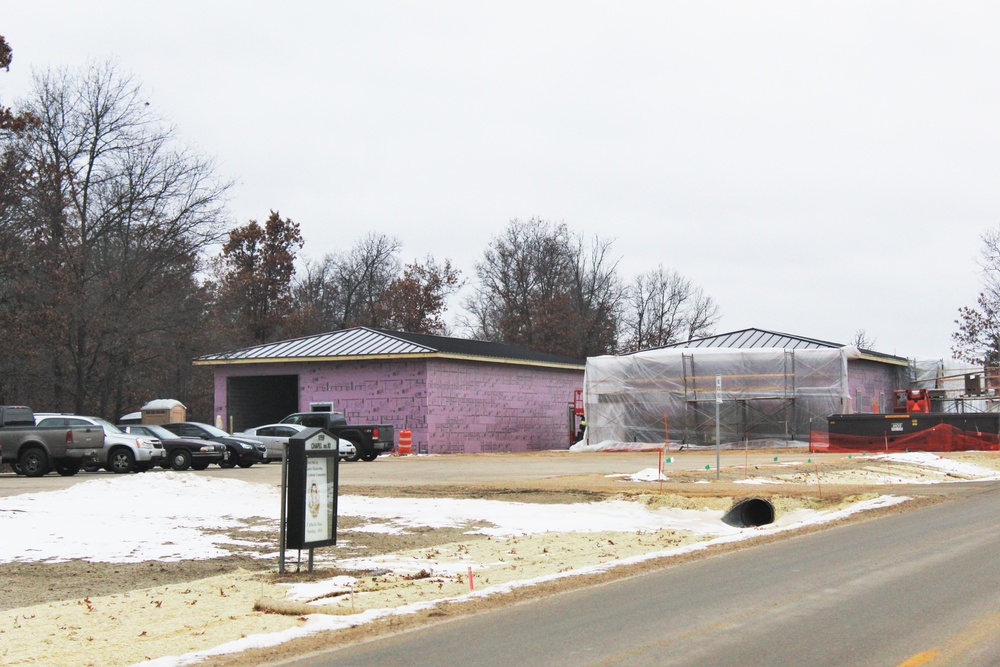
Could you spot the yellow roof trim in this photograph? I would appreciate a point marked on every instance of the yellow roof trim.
(884, 360)
(388, 357)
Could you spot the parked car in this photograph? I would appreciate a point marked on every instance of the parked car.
(275, 437)
(243, 452)
(122, 452)
(33, 450)
(182, 453)
(370, 440)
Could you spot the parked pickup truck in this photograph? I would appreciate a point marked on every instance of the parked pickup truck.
(35, 450)
(369, 440)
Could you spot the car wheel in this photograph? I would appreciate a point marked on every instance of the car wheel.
(121, 461)
(245, 464)
(180, 459)
(34, 462)
(198, 465)
(68, 469)
(230, 462)
(16, 468)
(91, 467)
(369, 456)
(356, 456)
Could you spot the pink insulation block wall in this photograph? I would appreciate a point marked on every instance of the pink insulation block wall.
(382, 392)
(371, 392)
(481, 407)
(450, 406)
(874, 383)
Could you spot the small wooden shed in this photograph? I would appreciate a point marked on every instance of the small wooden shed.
(163, 411)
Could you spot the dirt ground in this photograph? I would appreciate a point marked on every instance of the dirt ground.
(85, 613)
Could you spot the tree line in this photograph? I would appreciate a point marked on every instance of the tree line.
(119, 264)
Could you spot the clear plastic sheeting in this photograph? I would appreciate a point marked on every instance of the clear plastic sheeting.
(927, 374)
(959, 387)
(767, 394)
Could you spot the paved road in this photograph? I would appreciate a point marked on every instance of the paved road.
(916, 588)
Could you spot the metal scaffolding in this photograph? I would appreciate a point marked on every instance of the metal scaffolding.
(767, 394)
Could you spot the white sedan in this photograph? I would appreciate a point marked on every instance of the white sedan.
(275, 437)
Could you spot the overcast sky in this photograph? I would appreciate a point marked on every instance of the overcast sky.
(817, 167)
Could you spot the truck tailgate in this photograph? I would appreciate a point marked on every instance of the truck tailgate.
(86, 437)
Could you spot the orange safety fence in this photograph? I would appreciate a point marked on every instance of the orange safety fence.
(939, 438)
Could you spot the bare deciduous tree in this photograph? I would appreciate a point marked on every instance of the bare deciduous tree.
(862, 340)
(665, 308)
(347, 289)
(364, 275)
(541, 287)
(599, 296)
(117, 216)
(314, 295)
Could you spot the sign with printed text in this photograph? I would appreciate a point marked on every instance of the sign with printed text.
(321, 443)
(320, 500)
(312, 490)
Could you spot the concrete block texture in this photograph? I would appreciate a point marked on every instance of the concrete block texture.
(450, 406)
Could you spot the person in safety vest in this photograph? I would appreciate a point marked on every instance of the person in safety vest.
(583, 427)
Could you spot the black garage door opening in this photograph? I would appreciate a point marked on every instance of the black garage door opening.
(260, 399)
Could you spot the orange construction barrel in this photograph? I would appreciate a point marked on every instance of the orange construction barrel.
(405, 442)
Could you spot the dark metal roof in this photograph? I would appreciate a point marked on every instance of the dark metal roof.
(480, 348)
(761, 338)
(752, 338)
(365, 342)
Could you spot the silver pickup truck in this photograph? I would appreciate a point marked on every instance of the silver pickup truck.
(35, 450)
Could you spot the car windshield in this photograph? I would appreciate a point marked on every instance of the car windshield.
(108, 427)
(216, 432)
(312, 419)
(282, 428)
(159, 432)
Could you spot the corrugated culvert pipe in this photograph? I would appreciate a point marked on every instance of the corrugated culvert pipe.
(750, 512)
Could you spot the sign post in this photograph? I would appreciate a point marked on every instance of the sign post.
(718, 436)
(311, 489)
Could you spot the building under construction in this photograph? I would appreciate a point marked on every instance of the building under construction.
(769, 388)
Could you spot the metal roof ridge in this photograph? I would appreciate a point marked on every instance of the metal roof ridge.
(754, 337)
(229, 354)
(394, 336)
(264, 350)
(751, 332)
